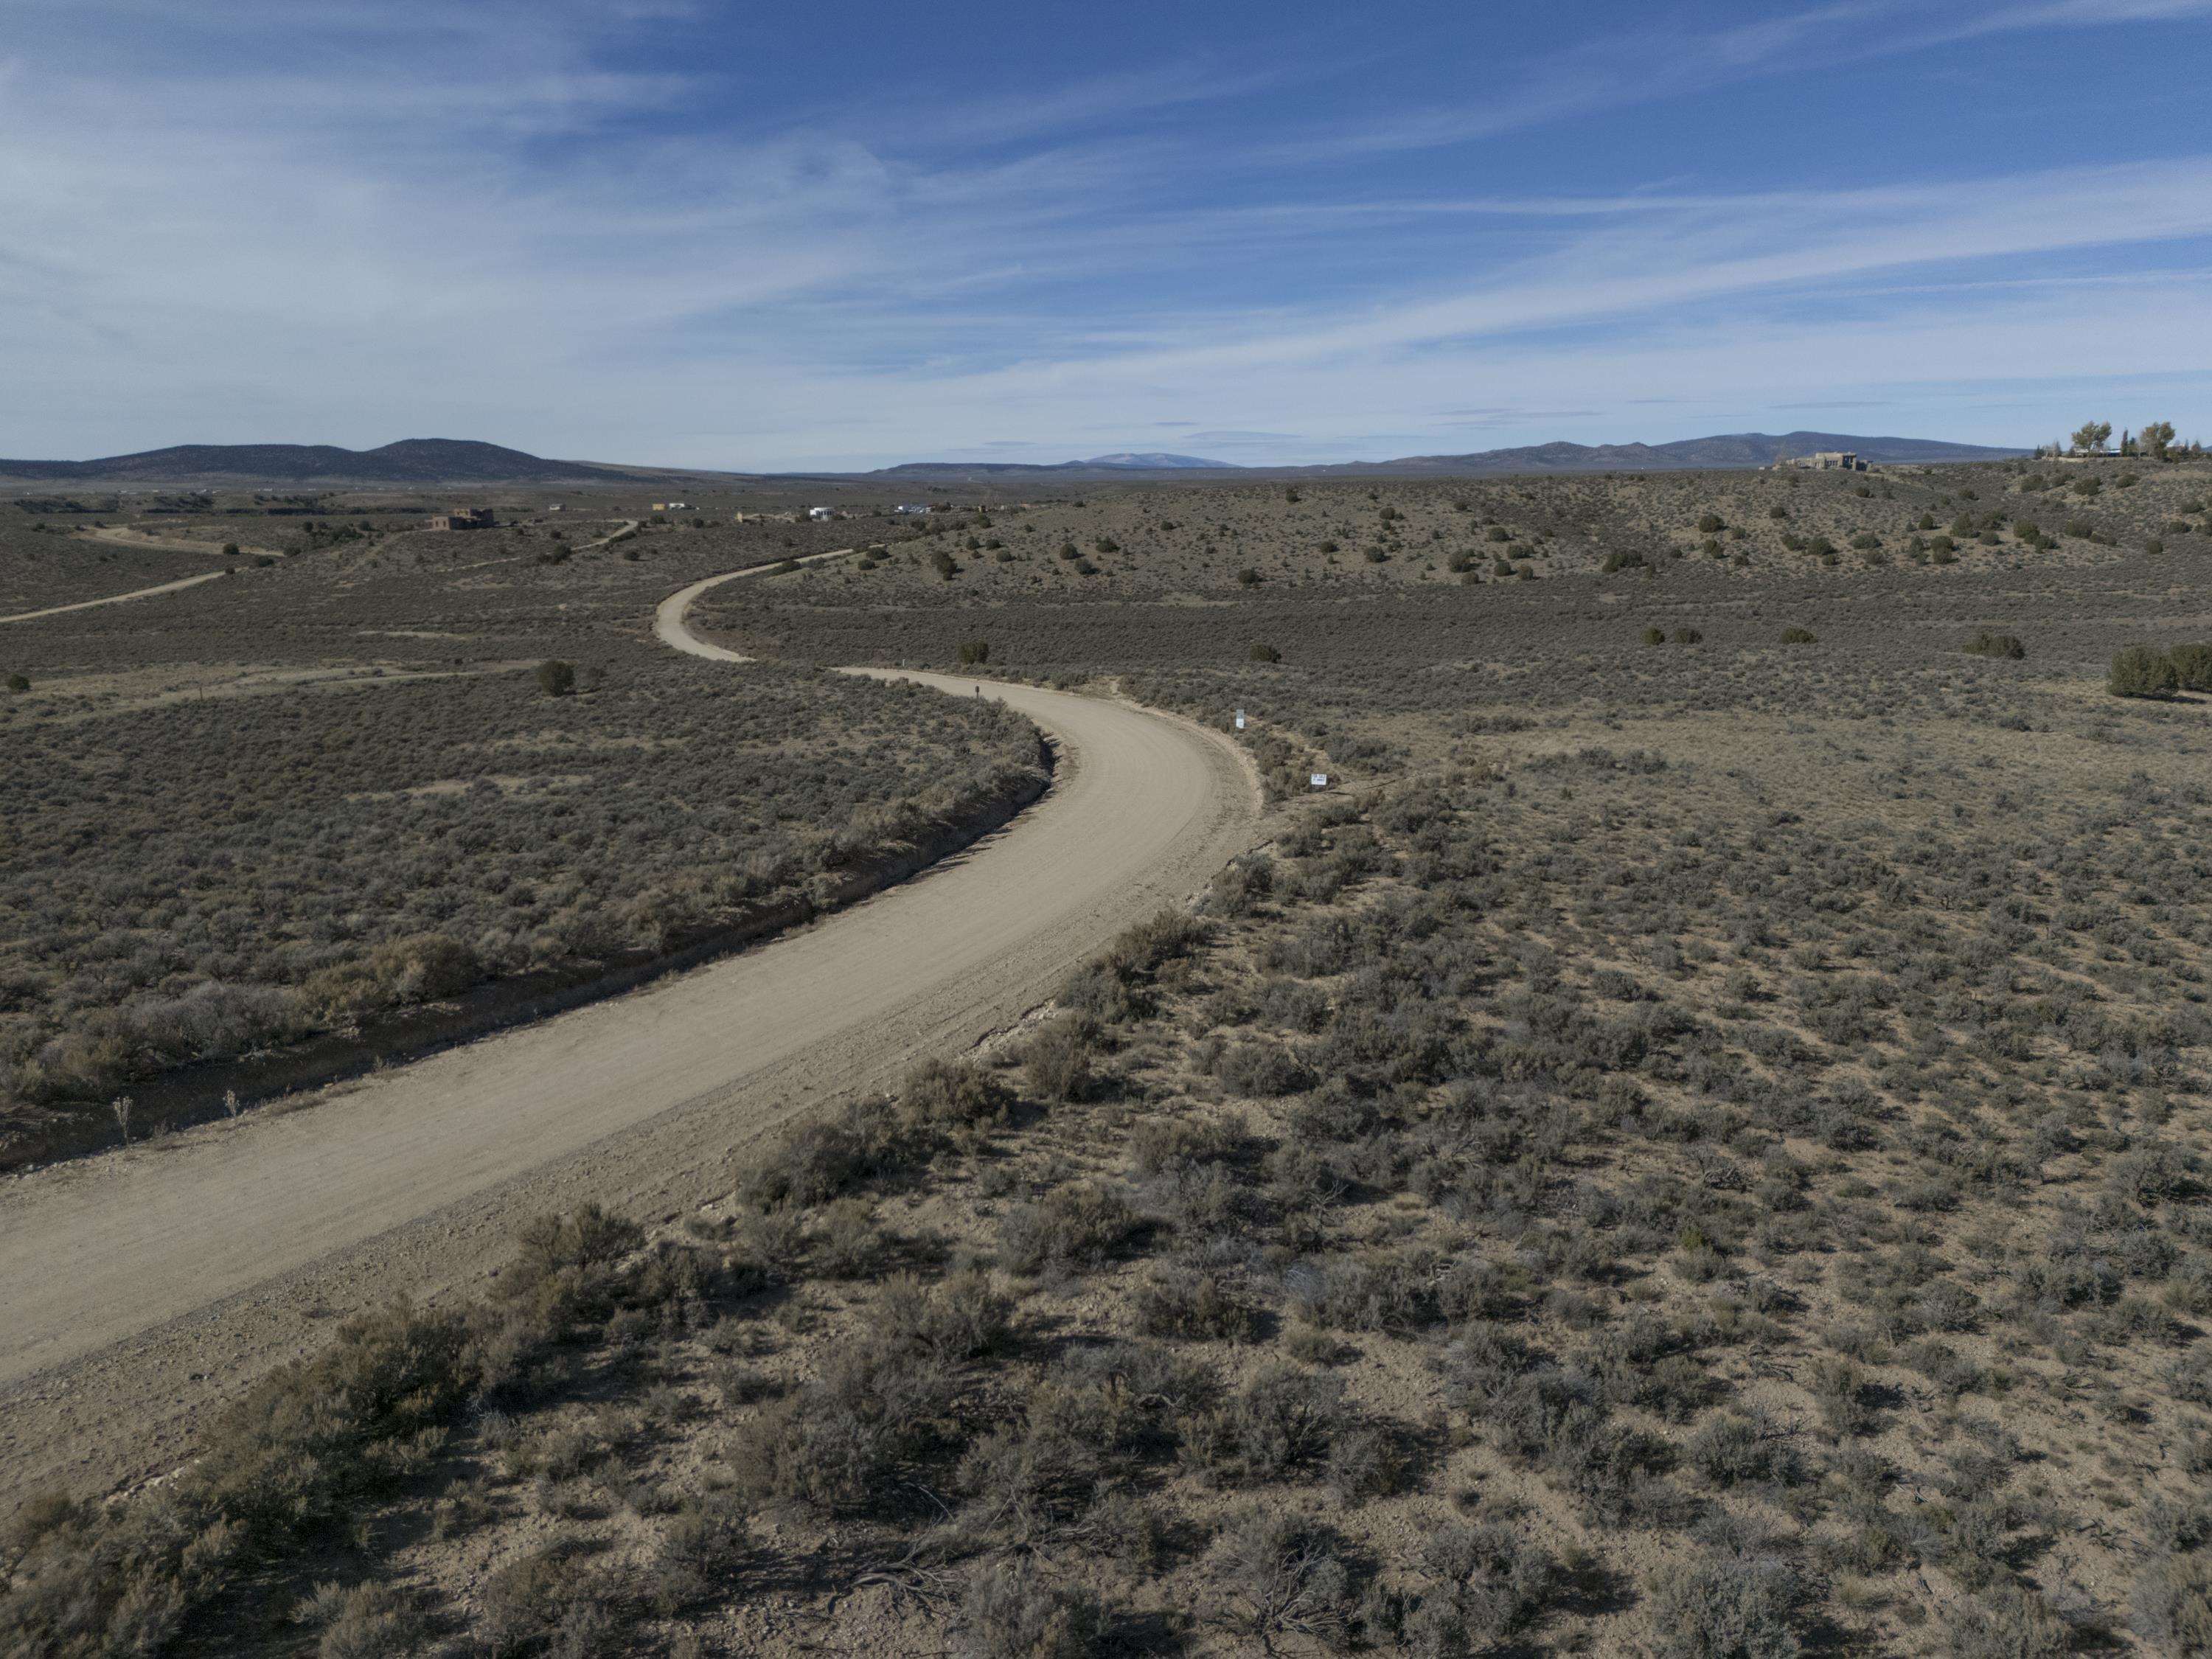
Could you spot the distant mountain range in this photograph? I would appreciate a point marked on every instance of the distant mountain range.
(456, 461)
(1734, 449)
(1126, 461)
(411, 461)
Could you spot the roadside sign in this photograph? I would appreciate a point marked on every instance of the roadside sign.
(1240, 720)
(1320, 779)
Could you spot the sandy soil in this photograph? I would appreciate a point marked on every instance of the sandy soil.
(141, 1288)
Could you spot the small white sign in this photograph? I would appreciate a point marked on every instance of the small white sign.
(1320, 779)
(1240, 720)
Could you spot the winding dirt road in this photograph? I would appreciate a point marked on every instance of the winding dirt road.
(142, 1287)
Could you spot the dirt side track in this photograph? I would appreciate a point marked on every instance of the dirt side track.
(179, 585)
(141, 1288)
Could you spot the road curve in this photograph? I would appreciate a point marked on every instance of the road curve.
(139, 1288)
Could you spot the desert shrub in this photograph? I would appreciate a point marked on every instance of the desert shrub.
(365, 1621)
(874, 1418)
(2007, 1621)
(1375, 1291)
(1281, 1424)
(1260, 1070)
(556, 678)
(1711, 523)
(1688, 636)
(2171, 1606)
(966, 1317)
(975, 652)
(1365, 1462)
(1725, 1607)
(941, 1094)
(845, 1240)
(1613, 561)
(1243, 882)
(1265, 653)
(534, 1601)
(1655, 636)
(1800, 636)
(2190, 1375)
(820, 1160)
(1010, 1610)
(2192, 666)
(1730, 1449)
(2140, 671)
(1074, 1227)
(1838, 1387)
(1986, 644)
(699, 1553)
(1484, 1582)
(19, 682)
(1116, 987)
(1193, 1300)
(1283, 1575)
(1057, 1062)
(1248, 577)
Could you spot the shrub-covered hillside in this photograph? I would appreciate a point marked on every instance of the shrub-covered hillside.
(188, 879)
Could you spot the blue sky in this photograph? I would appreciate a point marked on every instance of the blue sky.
(840, 236)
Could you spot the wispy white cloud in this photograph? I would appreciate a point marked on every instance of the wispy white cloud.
(1666, 58)
(364, 234)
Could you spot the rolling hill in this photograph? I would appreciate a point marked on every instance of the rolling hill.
(1125, 461)
(1734, 449)
(459, 461)
(411, 461)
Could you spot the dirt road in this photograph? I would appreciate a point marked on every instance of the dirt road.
(139, 1288)
(117, 599)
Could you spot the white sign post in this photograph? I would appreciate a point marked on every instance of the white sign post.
(1320, 779)
(1240, 720)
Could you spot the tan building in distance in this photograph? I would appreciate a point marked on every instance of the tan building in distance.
(466, 518)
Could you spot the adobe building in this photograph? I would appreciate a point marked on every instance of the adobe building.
(466, 518)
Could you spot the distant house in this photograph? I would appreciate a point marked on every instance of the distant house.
(819, 514)
(1827, 460)
(554, 507)
(465, 518)
(671, 506)
(911, 507)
